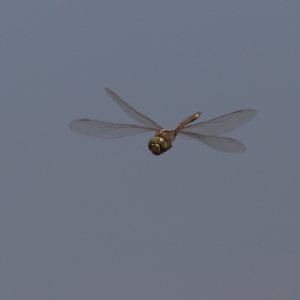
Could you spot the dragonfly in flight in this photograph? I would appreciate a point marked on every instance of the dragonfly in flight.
(206, 132)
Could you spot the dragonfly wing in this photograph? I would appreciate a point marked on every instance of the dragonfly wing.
(131, 112)
(223, 144)
(221, 124)
(183, 136)
(106, 130)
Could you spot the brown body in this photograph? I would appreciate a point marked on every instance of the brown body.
(168, 136)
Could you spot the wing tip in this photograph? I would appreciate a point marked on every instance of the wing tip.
(254, 112)
(109, 91)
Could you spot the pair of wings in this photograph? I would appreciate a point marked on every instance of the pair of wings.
(205, 131)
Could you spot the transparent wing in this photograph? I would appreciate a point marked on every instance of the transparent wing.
(106, 130)
(131, 112)
(223, 144)
(221, 124)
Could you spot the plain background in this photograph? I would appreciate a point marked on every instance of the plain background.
(82, 218)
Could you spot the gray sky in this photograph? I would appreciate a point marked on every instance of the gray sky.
(82, 218)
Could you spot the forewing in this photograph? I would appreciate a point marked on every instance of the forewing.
(221, 124)
(131, 112)
(223, 144)
(106, 130)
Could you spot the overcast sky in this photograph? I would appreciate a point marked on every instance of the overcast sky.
(85, 218)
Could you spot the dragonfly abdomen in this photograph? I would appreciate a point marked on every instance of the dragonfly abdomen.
(188, 120)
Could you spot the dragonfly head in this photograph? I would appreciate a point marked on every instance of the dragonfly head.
(157, 145)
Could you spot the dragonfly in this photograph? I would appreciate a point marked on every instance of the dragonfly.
(206, 132)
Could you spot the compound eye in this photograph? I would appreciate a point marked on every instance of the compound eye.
(157, 145)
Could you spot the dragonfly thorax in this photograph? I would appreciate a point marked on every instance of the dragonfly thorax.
(158, 145)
